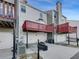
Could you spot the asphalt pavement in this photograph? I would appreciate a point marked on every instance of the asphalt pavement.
(53, 52)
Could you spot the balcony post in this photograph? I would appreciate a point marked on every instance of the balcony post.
(68, 39)
(14, 43)
(76, 36)
(27, 39)
(38, 53)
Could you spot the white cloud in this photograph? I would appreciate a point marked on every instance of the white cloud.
(71, 14)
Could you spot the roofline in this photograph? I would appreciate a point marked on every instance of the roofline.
(74, 20)
(36, 8)
(64, 16)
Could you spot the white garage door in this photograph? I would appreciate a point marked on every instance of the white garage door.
(6, 38)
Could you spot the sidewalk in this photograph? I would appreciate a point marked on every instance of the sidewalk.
(53, 52)
(5, 54)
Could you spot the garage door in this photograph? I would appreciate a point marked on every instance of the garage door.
(6, 38)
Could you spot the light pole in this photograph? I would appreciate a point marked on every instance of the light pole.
(14, 33)
(14, 43)
(38, 53)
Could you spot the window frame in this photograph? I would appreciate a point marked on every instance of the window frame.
(41, 16)
(23, 9)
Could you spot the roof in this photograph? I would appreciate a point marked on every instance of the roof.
(73, 20)
(36, 8)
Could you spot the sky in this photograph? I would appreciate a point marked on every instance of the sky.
(70, 8)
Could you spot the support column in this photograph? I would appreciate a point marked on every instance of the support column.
(76, 37)
(38, 55)
(14, 43)
(68, 39)
(27, 39)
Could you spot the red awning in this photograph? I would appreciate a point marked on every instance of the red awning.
(66, 28)
(33, 26)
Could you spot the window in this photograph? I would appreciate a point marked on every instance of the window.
(55, 17)
(23, 9)
(41, 16)
(6, 9)
(1, 8)
(13, 12)
(55, 14)
(10, 11)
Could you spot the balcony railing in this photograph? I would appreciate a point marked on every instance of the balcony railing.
(50, 28)
(7, 10)
(66, 28)
(33, 26)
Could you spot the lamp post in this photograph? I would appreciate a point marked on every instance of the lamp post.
(14, 43)
(38, 50)
(14, 33)
(16, 47)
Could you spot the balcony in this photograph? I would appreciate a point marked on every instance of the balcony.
(7, 11)
(33, 26)
(41, 27)
(66, 28)
(6, 24)
(30, 26)
(50, 28)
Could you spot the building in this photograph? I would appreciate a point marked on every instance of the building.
(56, 17)
(74, 23)
(33, 24)
(63, 29)
(7, 16)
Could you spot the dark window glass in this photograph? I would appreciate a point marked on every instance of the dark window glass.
(23, 9)
(41, 16)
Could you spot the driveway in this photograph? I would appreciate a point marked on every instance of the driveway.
(59, 52)
(53, 52)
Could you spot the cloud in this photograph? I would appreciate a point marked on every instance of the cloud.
(71, 14)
